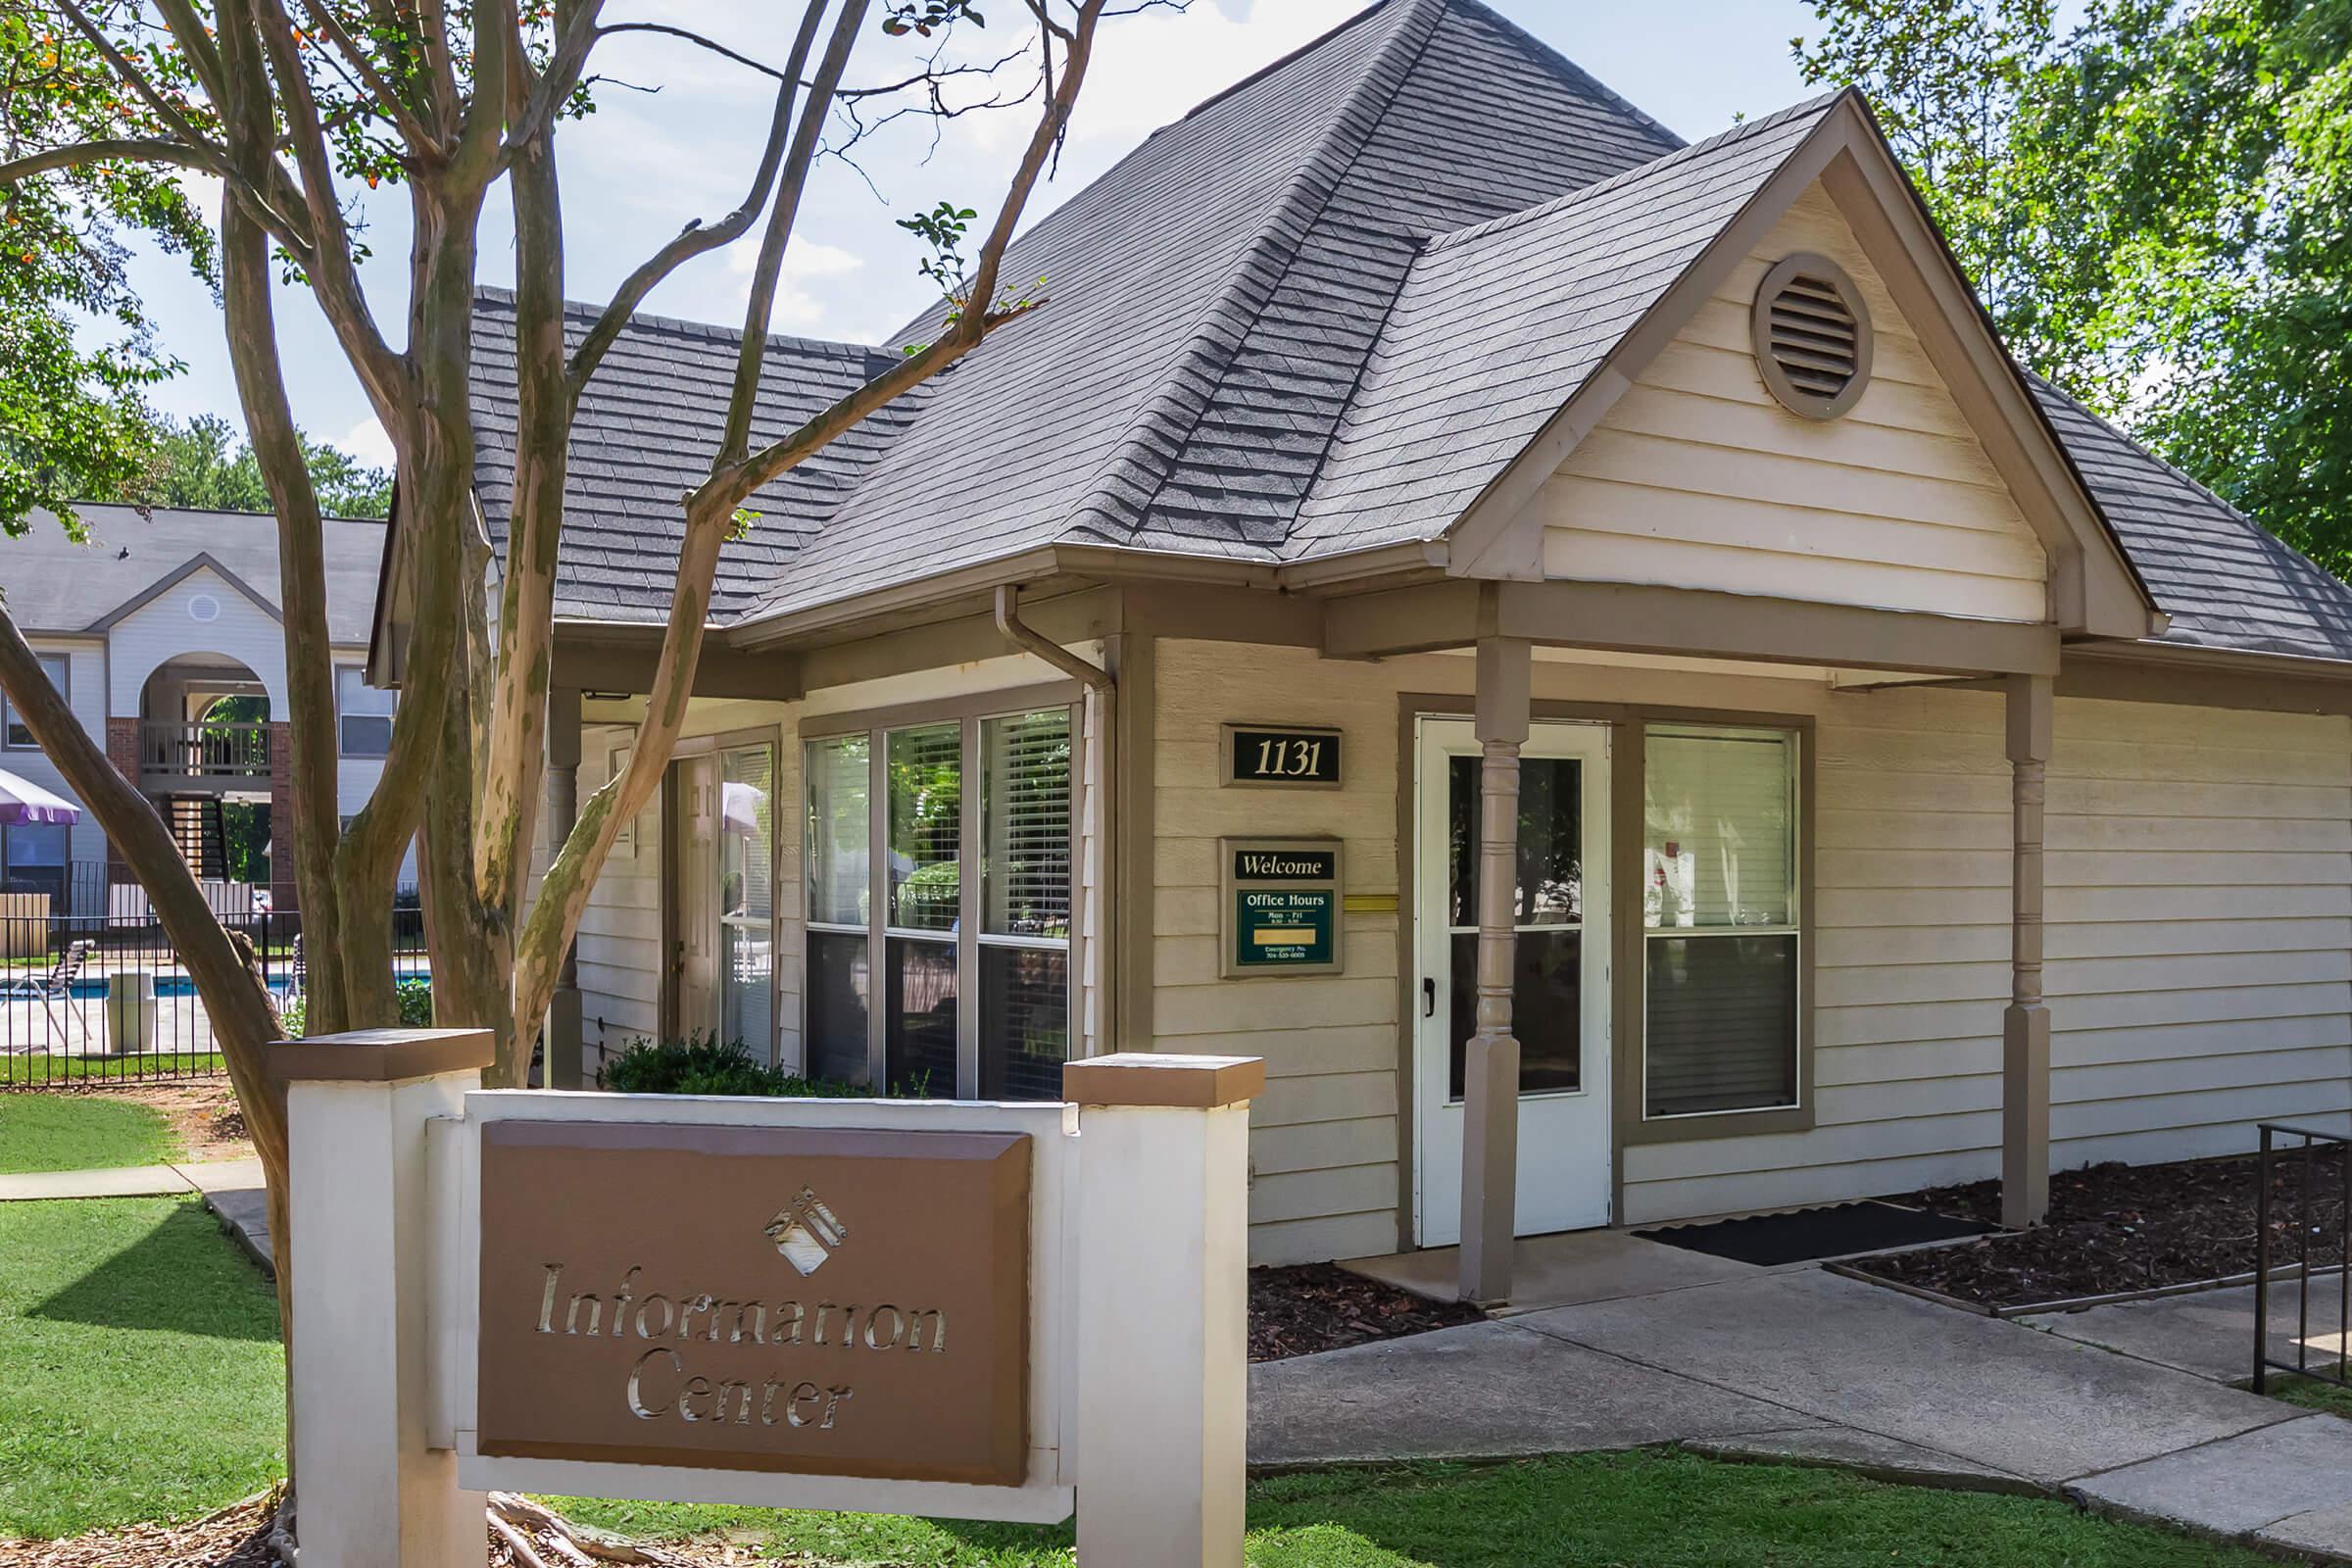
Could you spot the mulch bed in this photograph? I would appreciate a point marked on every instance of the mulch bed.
(2118, 1228)
(1321, 1306)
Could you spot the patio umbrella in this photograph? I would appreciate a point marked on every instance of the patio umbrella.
(23, 801)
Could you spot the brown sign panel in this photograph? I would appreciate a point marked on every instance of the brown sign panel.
(811, 1300)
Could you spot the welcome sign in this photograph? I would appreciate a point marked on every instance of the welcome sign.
(799, 1299)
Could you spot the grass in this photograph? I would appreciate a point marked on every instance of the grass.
(140, 1376)
(167, 1065)
(81, 1132)
(2313, 1394)
(1655, 1509)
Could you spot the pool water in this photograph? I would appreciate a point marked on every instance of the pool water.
(170, 986)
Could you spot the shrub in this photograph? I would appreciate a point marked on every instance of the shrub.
(702, 1064)
(415, 1009)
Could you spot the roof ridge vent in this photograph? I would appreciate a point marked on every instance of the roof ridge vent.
(1812, 336)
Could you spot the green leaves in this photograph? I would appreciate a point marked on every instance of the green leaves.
(2156, 208)
(923, 18)
(206, 464)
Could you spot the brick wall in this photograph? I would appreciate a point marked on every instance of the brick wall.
(284, 891)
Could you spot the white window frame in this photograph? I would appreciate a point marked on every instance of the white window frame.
(59, 667)
(1800, 864)
(970, 713)
(342, 744)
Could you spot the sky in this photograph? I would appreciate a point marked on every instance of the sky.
(646, 162)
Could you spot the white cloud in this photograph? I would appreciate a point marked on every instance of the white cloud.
(1151, 67)
(368, 442)
(809, 266)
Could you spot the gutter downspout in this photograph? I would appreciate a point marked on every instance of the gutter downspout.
(1104, 687)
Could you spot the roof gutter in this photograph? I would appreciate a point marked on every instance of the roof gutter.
(1105, 689)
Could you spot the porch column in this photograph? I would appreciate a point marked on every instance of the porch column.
(2026, 1025)
(1490, 1075)
(564, 1068)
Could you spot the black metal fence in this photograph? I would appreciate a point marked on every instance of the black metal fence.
(2303, 1236)
(89, 998)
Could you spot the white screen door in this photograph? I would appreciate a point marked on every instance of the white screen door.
(1560, 995)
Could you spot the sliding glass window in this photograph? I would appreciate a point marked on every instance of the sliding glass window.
(1721, 920)
(974, 973)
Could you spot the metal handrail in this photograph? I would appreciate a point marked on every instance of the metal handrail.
(2299, 1268)
(205, 750)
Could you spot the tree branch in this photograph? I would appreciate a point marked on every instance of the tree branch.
(331, 266)
(141, 150)
(395, 109)
(565, 63)
(743, 402)
(696, 240)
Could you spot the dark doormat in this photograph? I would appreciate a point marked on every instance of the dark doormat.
(1769, 1239)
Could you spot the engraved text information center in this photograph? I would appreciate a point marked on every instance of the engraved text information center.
(786, 1299)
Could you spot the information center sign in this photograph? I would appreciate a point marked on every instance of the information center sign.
(812, 1301)
(1281, 907)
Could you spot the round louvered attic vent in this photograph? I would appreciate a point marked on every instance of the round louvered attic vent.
(1812, 334)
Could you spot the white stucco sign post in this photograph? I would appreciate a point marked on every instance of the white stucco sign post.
(969, 1310)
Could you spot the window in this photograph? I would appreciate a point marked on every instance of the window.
(19, 736)
(363, 714)
(1720, 916)
(32, 858)
(746, 900)
(959, 983)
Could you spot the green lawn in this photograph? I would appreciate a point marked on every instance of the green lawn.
(44, 1068)
(140, 1379)
(140, 1376)
(81, 1132)
(1654, 1510)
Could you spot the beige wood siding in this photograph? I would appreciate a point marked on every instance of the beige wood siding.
(1698, 478)
(2200, 938)
(2200, 909)
(1324, 1141)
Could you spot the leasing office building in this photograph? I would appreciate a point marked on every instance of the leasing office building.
(1413, 418)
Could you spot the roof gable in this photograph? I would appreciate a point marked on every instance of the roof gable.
(1212, 298)
(201, 561)
(1698, 477)
(1550, 316)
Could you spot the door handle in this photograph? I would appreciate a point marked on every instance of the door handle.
(1429, 997)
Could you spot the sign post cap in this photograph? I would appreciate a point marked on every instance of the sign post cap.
(1163, 1078)
(379, 1056)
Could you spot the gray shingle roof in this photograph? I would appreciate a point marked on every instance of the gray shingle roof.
(1317, 315)
(644, 434)
(57, 585)
(2226, 580)
(1497, 324)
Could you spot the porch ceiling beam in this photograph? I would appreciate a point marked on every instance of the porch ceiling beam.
(622, 659)
(1631, 617)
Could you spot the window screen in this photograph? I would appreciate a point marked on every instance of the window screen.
(1720, 915)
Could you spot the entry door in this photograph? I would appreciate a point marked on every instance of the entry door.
(693, 883)
(1560, 997)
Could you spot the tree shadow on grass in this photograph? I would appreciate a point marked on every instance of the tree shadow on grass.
(182, 1277)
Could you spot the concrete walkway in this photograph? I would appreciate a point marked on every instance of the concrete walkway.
(232, 1189)
(1802, 1365)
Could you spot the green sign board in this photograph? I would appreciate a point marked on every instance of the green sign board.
(1282, 906)
(1284, 929)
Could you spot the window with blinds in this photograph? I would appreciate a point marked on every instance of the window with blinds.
(1720, 907)
(1025, 904)
(958, 984)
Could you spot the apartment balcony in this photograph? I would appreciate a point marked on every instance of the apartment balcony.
(202, 752)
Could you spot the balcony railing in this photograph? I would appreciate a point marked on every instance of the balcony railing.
(205, 750)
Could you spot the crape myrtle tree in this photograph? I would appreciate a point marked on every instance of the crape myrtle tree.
(292, 109)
